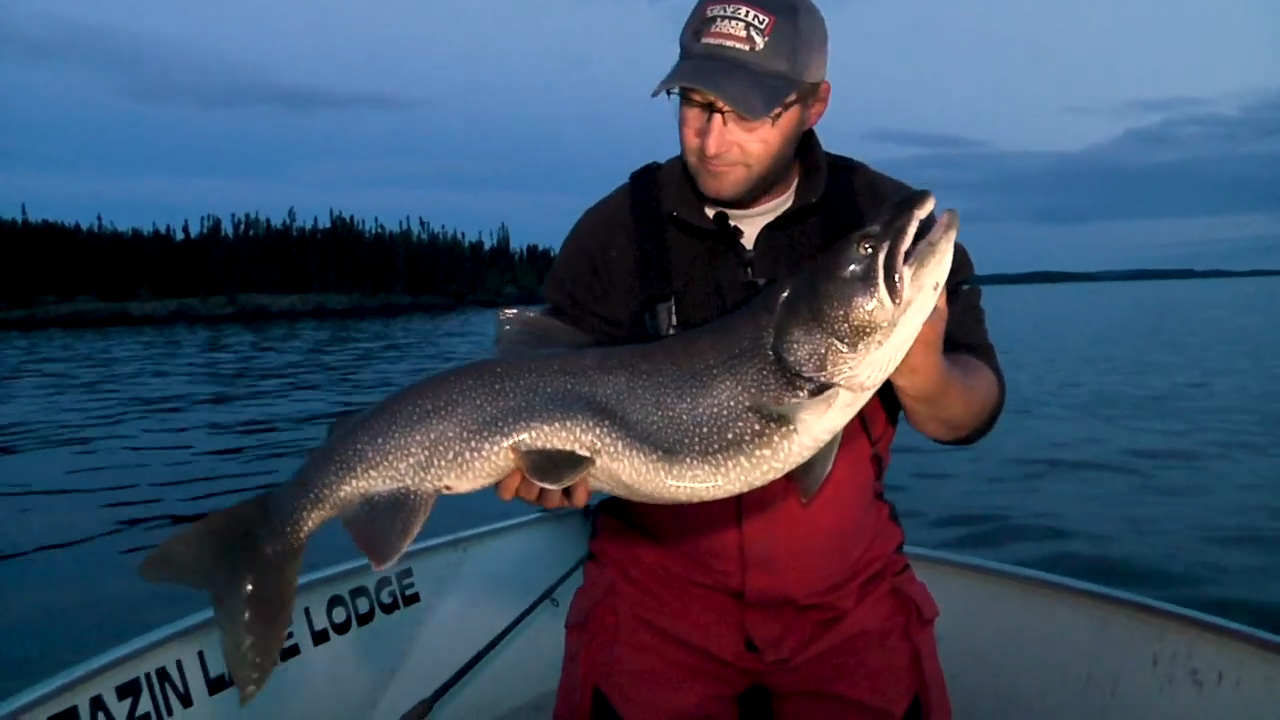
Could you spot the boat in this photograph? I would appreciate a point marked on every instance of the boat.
(470, 626)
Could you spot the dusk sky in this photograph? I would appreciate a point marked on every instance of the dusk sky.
(1073, 135)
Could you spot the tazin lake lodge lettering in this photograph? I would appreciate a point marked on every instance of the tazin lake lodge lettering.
(160, 692)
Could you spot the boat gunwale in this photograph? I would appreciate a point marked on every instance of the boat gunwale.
(1143, 605)
(109, 659)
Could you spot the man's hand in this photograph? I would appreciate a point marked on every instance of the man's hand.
(517, 485)
(944, 396)
(923, 369)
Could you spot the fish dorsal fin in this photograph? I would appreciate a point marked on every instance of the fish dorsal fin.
(338, 425)
(341, 422)
(532, 329)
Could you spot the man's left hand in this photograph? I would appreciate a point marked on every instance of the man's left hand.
(944, 396)
(923, 369)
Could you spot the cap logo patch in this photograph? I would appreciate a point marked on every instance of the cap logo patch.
(738, 26)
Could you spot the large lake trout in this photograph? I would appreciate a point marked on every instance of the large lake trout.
(761, 393)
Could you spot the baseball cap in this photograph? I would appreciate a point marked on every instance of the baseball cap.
(750, 55)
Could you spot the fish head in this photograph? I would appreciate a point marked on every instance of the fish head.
(849, 317)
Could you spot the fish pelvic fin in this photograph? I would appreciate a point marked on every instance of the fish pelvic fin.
(526, 330)
(551, 468)
(809, 476)
(250, 576)
(383, 524)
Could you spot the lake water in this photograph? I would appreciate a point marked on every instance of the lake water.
(1139, 449)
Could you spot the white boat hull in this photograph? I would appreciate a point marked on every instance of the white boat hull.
(1014, 644)
(1020, 644)
(447, 597)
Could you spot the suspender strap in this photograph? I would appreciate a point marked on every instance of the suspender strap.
(839, 215)
(653, 259)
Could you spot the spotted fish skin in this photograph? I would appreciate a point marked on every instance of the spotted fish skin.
(706, 414)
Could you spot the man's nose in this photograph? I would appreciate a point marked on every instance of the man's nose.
(715, 136)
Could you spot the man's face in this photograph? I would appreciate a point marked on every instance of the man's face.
(738, 162)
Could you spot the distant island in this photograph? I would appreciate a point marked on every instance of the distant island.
(1047, 277)
(55, 274)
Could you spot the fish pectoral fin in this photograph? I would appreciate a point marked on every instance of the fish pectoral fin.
(552, 468)
(383, 524)
(799, 412)
(525, 330)
(809, 476)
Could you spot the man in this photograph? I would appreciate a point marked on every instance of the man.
(685, 608)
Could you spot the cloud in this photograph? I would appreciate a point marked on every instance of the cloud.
(1190, 164)
(151, 69)
(534, 111)
(924, 140)
(1251, 127)
(1153, 108)
(1173, 104)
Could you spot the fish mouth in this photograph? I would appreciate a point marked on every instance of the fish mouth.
(907, 253)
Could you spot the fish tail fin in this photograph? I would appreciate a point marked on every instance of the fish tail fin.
(251, 577)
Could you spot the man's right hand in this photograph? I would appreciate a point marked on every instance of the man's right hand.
(517, 485)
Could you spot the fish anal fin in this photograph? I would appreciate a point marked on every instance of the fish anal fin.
(524, 330)
(553, 468)
(383, 524)
(810, 475)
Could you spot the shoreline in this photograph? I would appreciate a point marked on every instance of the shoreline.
(244, 308)
(249, 308)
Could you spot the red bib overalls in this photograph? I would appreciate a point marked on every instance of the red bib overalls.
(683, 607)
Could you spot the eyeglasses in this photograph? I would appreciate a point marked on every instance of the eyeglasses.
(695, 109)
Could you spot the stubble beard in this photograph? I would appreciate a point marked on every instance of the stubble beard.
(775, 175)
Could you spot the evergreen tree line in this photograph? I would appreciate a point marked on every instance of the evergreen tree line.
(44, 261)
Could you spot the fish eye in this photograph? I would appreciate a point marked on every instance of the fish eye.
(865, 248)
